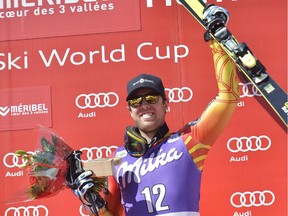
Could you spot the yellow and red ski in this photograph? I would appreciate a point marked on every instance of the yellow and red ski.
(246, 62)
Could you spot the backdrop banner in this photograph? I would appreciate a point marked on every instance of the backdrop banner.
(64, 64)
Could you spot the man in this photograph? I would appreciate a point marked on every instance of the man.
(160, 173)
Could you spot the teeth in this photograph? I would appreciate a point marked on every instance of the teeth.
(147, 115)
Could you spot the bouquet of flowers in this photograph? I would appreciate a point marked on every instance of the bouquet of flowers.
(48, 166)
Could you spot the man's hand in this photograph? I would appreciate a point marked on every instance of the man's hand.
(80, 187)
(81, 183)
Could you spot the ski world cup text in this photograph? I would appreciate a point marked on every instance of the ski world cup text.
(146, 51)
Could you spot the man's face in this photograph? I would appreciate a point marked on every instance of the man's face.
(148, 117)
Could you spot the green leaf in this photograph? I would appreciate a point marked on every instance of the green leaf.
(54, 140)
(47, 146)
(20, 153)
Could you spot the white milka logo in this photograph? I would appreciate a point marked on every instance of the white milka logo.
(143, 166)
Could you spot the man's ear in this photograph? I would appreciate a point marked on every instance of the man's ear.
(166, 105)
(129, 108)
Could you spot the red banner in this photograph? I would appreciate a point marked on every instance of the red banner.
(25, 108)
(78, 82)
(37, 19)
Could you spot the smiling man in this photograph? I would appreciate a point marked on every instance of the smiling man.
(147, 92)
(160, 173)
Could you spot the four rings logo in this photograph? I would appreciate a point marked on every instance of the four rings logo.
(248, 90)
(10, 160)
(245, 144)
(256, 198)
(111, 99)
(176, 95)
(97, 152)
(39, 210)
(99, 100)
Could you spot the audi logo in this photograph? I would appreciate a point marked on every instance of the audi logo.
(176, 95)
(39, 210)
(255, 198)
(10, 160)
(245, 144)
(249, 90)
(100, 100)
(97, 152)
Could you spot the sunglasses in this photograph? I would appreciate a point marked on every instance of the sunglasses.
(149, 98)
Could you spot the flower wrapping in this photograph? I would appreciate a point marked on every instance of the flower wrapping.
(47, 167)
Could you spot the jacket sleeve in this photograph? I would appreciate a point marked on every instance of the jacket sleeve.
(201, 135)
(218, 113)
